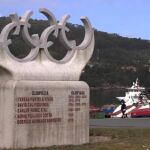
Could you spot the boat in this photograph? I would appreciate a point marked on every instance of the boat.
(145, 112)
(93, 110)
(137, 103)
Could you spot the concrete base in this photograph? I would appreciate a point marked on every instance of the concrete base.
(43, 113)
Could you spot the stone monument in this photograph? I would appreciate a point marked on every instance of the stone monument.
(42, 103)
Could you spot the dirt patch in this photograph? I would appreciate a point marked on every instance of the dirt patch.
(96, 139)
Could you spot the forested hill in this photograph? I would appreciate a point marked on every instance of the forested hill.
(117, 61)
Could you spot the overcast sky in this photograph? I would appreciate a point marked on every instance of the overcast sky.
(129, 18)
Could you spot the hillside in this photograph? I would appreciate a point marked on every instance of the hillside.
(116, 61)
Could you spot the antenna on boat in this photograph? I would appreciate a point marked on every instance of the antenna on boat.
(137, 81)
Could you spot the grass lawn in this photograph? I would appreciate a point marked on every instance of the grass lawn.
(111, 139)
(122, 139)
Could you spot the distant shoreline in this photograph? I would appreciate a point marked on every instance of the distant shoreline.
(109, 88)
(112, 88)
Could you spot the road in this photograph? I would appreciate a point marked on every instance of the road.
(120, 123)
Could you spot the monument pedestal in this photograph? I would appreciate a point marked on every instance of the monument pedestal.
(42, 103)
(43, 113)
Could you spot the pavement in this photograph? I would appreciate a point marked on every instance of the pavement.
(120, 123)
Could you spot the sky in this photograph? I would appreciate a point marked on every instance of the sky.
(129, 18)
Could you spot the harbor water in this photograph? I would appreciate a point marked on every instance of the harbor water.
(100, 97)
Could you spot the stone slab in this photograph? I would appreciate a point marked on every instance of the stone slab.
(43, 113)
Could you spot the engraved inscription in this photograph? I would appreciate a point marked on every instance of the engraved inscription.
(31, 109)
(77, 100)
(39, 106)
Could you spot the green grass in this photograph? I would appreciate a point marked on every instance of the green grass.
(123, 139)
(119, 139)
(99, 115)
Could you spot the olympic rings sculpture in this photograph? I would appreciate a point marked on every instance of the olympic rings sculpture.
(56, 29)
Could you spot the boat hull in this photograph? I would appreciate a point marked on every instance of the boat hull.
(141, 113)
